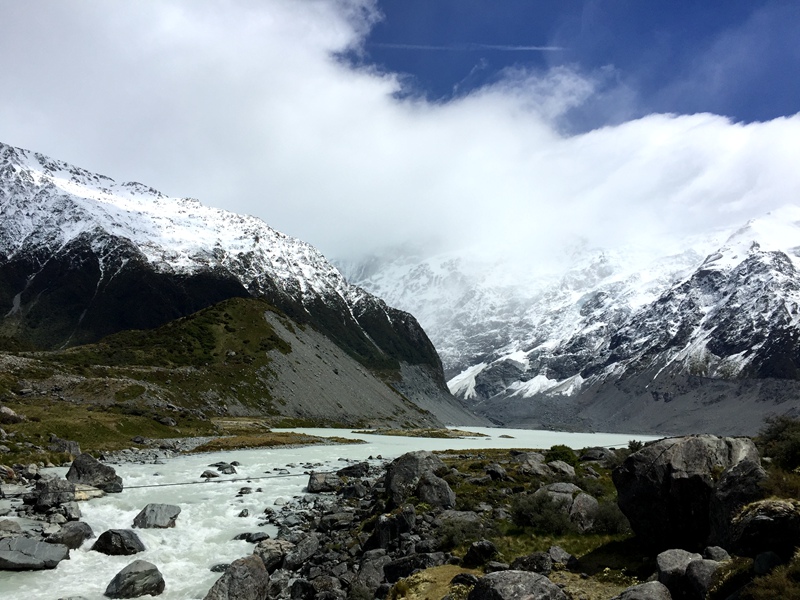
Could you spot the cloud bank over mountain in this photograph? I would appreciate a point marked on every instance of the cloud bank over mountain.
(251, 107)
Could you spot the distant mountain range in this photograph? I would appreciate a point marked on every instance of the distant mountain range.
(83, 257)
(700, 334)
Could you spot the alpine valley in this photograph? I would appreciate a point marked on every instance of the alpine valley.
(116, 297)
(687, 335)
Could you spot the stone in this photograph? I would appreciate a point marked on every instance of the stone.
(598, 454)
(671, 565)
(50, 493)
(652, 590)
(140, 578)
(403, 474)
(370, 572)
(272, 553)
(323, 482)
(245, 579)
(465, 579)
(303, 550)
(479, 553)
(405, 566)
(357, 470)
(496, 472)
(767, 525)
(354, 489)
(88, 470)
(561, 468)
(583, 511)
(9, 528)
(700, 576)
(60, 445)
(389, 528)
(716, 553)
(435, 491)
(737, 487)
(209, 474)
(72, 535)
(515, 585)
(536, 562)
(157, 516)
(665, 488)
(26, 554)
(116, 542)
(561, 558)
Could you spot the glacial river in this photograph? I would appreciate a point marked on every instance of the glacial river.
(209, 517)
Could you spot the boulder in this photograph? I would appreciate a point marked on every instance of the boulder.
(515, 585)
(496, 472)
(323, 482)
(583, 511)
(389, 528)
(50, 493)
(435, 491)
(403, 474)
(88, 470)
(561, 558)
(245, 579)
(72, 535)
(139, 578)
(536, 562)
(118, 542)
(737, 487)
(370, 572)
(405, 566)
(767, 525)
(157, 516)
(357, 470)
(700, 576)
(652, 590)
(665, 488)
(272, 553)
(672, 566)
(305, 549)
(479, 553)
(559, 467)
(60, 445)
(26, 554)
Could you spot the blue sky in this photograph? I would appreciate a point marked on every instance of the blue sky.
(738, 58)
(356, 124)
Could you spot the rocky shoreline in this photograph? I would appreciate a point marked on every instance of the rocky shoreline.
(479, 525)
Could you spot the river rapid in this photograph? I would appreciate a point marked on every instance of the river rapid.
(209, 519)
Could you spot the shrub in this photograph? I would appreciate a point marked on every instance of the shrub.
(543, 514)
(783, 583)
(610, 520)
(782, 484)
(563, 453)
(780, 440)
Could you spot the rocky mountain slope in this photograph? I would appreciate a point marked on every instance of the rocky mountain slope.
(83, 257)
(699, 335)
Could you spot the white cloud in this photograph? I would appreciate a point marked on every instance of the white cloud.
(242, 105)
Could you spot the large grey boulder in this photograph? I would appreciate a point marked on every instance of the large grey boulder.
(515, 585)
(700, 576)
(272, 553)
(72, 535)
(86, 469)
(118, 542)
(573, 501)
(26, 554)
(140, 578)
(672, 566)
(245, 579)
(403, 474)
(435, 491)
(389, 528)
(157, 516)
(652, 590)
(304, 550)
(665, 488)
(323, 482)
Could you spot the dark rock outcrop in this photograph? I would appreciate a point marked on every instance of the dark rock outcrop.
(665, 489)
(115, 542)
(140, 578)
(88, 470)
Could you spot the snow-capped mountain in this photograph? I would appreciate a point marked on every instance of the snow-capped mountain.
(620, 333)
(82, 256)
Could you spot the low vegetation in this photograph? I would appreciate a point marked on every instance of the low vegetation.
(423, 433)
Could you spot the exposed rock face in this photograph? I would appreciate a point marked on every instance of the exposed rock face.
(514, 585)
(140, 578)
(767, 525)
(404, 473)
(157, 516)
(26, 554)
(88, 470)
(115, 542)
(245, 579)
(665, 488)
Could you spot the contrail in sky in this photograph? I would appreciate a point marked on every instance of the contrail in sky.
(469, 47)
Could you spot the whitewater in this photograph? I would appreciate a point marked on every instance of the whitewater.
(208, 522)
